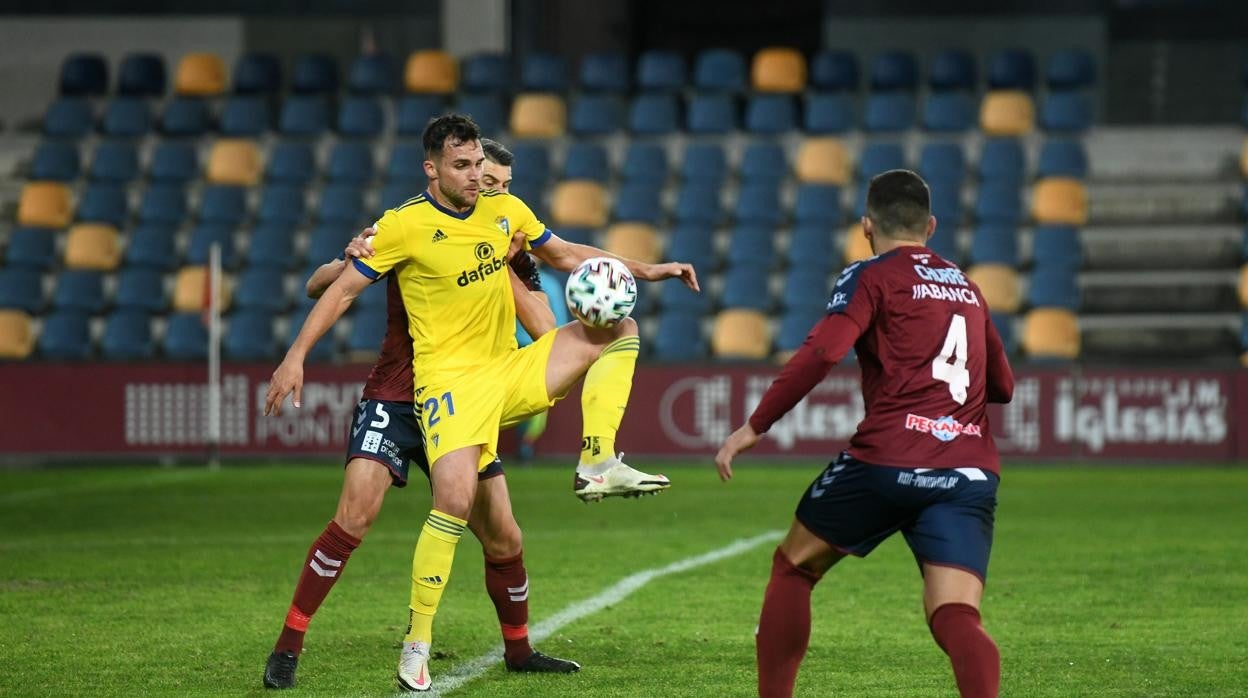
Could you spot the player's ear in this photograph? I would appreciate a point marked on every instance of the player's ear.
(431, 171)
(931, 228)
(868, 228)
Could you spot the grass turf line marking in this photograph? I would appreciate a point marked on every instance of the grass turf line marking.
(612, 595)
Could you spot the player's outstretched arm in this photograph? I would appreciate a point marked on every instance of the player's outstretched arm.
(532, 308)
(359, 248)
(564, 256)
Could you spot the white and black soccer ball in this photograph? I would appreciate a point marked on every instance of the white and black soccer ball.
(601, 292)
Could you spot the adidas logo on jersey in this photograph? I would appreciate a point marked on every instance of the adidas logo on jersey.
(439, 236)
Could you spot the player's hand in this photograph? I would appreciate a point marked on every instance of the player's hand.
(739, 441)
(361, 246)
(674, 270)
(286, 379)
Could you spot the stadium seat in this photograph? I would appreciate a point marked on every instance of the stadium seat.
(1243, 160)
(190, 290)
(127, 117)
(44, 205)
(1007, 113)
(55, 161)
(1069, 112)
(999, 284)
(704, 161)
(31, 248)
(953, 69)
(994, 243)
(889, 112)
(414, 112)
(17, 335)
(1012, 69)
(142, 289)
(325, 349)
(579, 203)
(485, 72)
(719, 70)
(1056, 246)
(894, 70)
(596, 115)
(778, 69)
(66, 335)
(647, 161)
(304, 115)
(585, 160)
(998, 201)
(679, 336)
(1243, 290)
(281, 204)
(114, 161)
(805, 288)
(946, 201)
(128, 336)
(634, 240)
(942, 160)
(661, 71)
(534, 194)
(485, 109)
(314, 73)
(711, 114)
(796, 324)
(1053, 286)
(745, 286)
(257, 73)
(84, 74)
(823, 161)
(880, 157)
(431, 71)
(368, 329)
(351, 161)
(811, 247)
(142, 75)
(531, 163)
(68, 117)
(1062, 158)
(249, 336)
(541, 71)
(21, 289)
(79, 289)
(271, 246)
(857, 247)
(1060, 200)
(93, 246)
(1002, 159)
(1051, 333)
(699, 202)
(693, 243)
(828, 113)
(361, 117)
(759, 202)
(204, 236)
(741, 334)
(174, 162)
(1004, 322)
(948, 112)
(1070, 69)
(818, 204)
(153, 246)
(186, 116)
(653, 114)
(538, 116)
(763, 160)
(397, 191)
(374, 73)
(261, 289)
(326, 242)
(292, 161)
(771, 113)
(752, 243)
(605, 71)
(224, 205)
(186, 337)
(234, 161)
(579, 236)
(245, 115)
(639, 201)
(342, 203)
(834, 71)
(200, 75)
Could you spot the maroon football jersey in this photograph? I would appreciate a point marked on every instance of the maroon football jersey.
(930, 359)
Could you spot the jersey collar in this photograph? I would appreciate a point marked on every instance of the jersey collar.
(449, 212)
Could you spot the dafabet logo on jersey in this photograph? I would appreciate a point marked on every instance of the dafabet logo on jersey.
(487, 266)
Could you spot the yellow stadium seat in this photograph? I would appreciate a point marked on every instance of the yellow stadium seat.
(857, 247)
(999, 284)
(823, 161)
(431, 71)
(17, 337)
(637, 241)
(782, 357)
(1243, 159)
(1007, 113)
(93, 246)
(779, 69)
(1051, 333)
(741, 334)
(1243, 359)
(579, 203)
(200, 75)
(1243, 287)
(190, 290)
(1060, 200)
(45, 205)
(234, 161)
(538, 116)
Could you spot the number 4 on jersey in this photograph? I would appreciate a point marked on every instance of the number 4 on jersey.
(954, 373)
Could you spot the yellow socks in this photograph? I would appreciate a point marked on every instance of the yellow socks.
(604, 397)
(431, 568)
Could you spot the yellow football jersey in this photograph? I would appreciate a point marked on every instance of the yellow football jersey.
(452, 273)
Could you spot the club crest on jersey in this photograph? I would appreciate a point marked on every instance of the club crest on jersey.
(503, 225)
(944, 428)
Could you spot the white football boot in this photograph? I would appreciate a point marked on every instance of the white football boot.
(614, 478)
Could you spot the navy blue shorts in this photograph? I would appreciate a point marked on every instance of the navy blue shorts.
(388, 432)
(946, 516)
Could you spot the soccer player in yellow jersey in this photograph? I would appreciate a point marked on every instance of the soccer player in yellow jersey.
(448, 250)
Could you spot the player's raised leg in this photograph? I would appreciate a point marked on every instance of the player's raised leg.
(951, 599)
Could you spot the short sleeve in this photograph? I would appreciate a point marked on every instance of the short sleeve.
(524, 220)
(854, 295)
(389, 247)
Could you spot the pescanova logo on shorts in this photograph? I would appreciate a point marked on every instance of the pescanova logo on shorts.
(943, 428)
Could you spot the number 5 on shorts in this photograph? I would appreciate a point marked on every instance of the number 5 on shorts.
(430, 409)
(955, 373)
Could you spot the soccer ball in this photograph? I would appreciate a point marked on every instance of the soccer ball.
(601, 292)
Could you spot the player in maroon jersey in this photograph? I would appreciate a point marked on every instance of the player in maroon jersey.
(385, 438)
(922, 461)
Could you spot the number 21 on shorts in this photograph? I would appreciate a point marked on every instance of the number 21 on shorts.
(953, 372)
(430, 408)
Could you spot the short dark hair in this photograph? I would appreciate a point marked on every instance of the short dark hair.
(458, 128)
(899, 203)
(497, 153)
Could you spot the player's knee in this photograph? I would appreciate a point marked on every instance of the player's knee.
(505, 542)
(626, 328)
(355, 521)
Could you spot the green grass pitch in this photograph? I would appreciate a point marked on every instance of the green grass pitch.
(127, 581)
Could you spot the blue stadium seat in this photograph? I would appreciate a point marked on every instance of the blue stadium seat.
(1056, 246)
(818, 204)
(711, 114)
(342, 203)
(811, 247)
(770, 113)
(889, 112)
(946, 203)
(79, 289)
(579, 236)
(271, 246)
(1004, 322)
(223, 204)
(142, 75)
(186, 116)
(1012, 69)
(831, 112)
(596, 115)
(397, 191)
(261, 288)
(245, 115)
(719, 70)
(752, 243)
(315, 73)
(894, 70)
(880, 157)
(291, 161)
(1002, 159)
(84, 74)
(186, 337)
(174, 162)
(745, 286)
(68, 117)
(351, 161)
(257, 73)
(485, 72)
(127, 117)
(114, 161)
(326, 242)
(541, 71)
(202, 239)
(797, 322)
(104, 203)
(368, 328)
(1070, 69)
(998, 201)
(1062, 158)
(698, 201)
(304, 115)
(532, 161)
(661, 71)
(994, 243)
(55, 160)
(1066, 111)
(128, 336)
(948, 112)
(325, 348)
(805, 289)
(1053, 287)
(376, 73)
(21, 288)
(678, 297)
(942, 160)
(361, 117)
(644, 161)
(414, 112)
(653, 114)
(249, 336)
(163, 204)
(639, 201)
(834, 71)
(764, 161)
(66, 335)
(31, 248)
(152, 246)
(281, 203)
(586, 161)
(532, 193)
(605, 71)
(485, 109)
(860, 199)
(705, 162)
(953, 69)
(679, 337)
(693, 243)
(944, 242)
(373, 297)
(142, 289)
